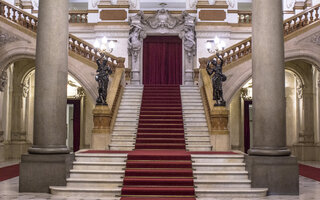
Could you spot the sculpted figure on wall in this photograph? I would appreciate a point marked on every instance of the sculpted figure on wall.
(136, 35)
(188, 35)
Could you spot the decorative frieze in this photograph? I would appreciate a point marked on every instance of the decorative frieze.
(6, 37)
(315, 38)
(3, 80)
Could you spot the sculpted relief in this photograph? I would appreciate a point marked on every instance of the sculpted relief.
(163, 21)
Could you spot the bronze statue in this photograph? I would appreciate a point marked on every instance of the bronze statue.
(102, 77)
(217, 80)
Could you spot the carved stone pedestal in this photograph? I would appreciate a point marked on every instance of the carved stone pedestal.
(220, 137)
(101, 130)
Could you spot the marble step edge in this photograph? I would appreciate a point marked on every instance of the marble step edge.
(223, 181)
(195, 173)
(235, 191)
(196, 164)
(74, 189)
(217, 156)
(94, 180)
(98, 163)
(87, 171)
(102, 155)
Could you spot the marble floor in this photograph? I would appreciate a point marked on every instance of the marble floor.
(309, 190)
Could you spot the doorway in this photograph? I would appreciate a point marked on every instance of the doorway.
(73, 125)
(162, 60)
(247, 125)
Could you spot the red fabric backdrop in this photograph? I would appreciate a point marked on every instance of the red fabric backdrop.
(162, 60)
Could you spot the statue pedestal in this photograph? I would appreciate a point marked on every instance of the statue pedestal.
(220, 137)
(101, 137)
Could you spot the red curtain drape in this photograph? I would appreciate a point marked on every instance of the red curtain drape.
(162, 60)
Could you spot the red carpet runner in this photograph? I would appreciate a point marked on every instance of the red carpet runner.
(159, 168)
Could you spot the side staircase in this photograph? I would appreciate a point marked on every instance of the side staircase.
(195, 123)
(169, 121)
(126, 125)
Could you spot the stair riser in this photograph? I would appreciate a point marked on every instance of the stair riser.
(226, 194)
(120, 128)
(198, 142)
(199, 148)
(131, 137)
(101, 159)
(196, 128)
(195, 125)
(97, 176)
(86, 194)
(132, 124)
(99, 167)
(197, 138)
(97, 185)
(123, 143)
(133, 119)
(193, 115)
(213, 186)
(120, 148)
(217, 160)
(220, 177)
(218, 168)
(127, 115)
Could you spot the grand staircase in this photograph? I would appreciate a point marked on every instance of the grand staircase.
(171, 157)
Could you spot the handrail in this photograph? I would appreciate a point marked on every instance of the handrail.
(243, 48)
(76, 45)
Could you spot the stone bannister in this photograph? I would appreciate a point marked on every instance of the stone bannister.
(241, 52)
(85, 53)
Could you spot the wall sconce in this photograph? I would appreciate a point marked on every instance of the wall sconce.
(105, 45)
(213, 46)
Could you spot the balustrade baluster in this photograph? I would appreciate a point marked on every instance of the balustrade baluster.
(311, 16)
(306, 19)
(317, 13)
(9, 13)
(14, 15)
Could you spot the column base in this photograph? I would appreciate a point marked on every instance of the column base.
(38, 172)
(63, 149)
(279, 174)
(269, 152)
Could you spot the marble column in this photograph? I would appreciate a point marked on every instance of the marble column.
(48, 160)
(269, 161)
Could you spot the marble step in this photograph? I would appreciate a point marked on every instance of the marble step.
(196, 128)
(124, 136)
(199, 147)
(121, 147)
(198, 142)
(128, 99)
(126, 107)
(210, 194)
(127, 119)
(218, 166)
(193, 119)
(221, 175)
(97, 174)
(222, 184)
(197, 138)
(191, 104)
(86, 192)
(99, 165)
(88, 157)
(217, 158)
(197, 134)
(197, 115)
(125, 128)
(124, 112)
(129, 103)
(124, 123)
(195, 124)
(193, 100)
(192, 111)
(122, 143)
(94, 183)
(128, 115)
(124, 132)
